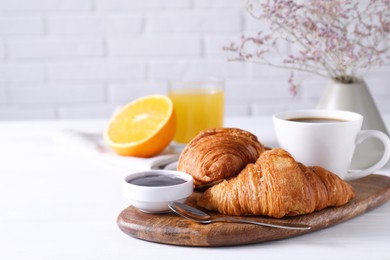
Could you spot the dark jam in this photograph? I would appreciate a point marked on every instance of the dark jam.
(157, 180)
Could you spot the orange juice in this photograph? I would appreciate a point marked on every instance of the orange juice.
(196, 109)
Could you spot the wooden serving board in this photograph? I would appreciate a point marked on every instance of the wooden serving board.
(169, 228)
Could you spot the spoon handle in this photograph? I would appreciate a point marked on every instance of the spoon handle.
(293, 226)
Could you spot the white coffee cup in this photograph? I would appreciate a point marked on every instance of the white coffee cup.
(329, 143)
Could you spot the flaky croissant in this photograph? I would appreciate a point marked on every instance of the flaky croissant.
(277, 186)
(216, 154)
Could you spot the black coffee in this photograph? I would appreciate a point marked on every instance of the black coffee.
(316, 120)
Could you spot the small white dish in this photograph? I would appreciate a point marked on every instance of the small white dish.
(151, 191)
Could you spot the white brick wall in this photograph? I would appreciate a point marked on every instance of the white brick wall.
(93, 23)
(54, 48)
(22, 24)
(82, 58)
(153, 47)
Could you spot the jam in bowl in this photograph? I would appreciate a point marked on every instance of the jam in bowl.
(151, 191)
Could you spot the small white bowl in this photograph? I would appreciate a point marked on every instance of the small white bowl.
(155, 199)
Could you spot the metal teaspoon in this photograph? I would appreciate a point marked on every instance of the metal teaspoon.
(201, 217)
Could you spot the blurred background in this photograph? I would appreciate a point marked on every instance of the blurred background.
(75, 59)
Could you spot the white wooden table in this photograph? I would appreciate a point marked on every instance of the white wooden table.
(55, 204)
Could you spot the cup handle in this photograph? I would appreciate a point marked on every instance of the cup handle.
(363, 135)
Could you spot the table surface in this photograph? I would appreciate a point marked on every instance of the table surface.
(56, 204)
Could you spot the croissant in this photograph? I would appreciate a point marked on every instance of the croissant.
(219, 153)
(277, 186)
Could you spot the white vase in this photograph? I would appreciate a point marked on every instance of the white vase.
(356, 97)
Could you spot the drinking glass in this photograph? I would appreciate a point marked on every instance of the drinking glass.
(199, 105)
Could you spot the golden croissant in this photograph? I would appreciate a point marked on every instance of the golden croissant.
(216, 154)
(277, 186)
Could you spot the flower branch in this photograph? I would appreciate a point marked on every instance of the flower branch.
(334, 38)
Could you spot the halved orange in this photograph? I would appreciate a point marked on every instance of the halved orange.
(142, 128)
